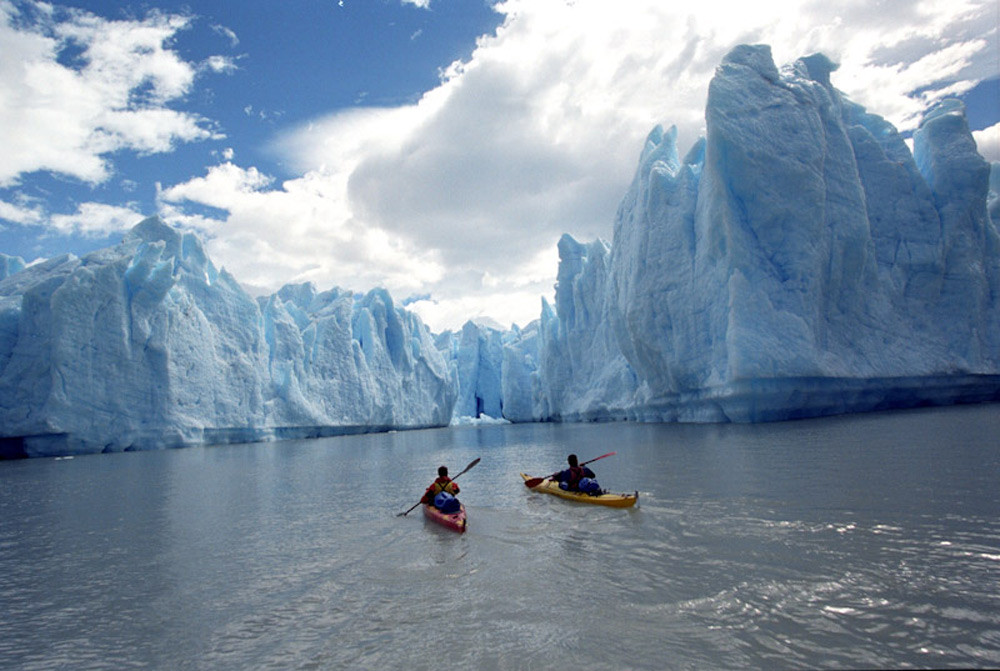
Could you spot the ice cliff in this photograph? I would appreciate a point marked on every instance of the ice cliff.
(147, 345)
(798, 261)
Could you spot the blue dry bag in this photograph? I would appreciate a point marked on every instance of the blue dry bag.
(589, 486)
(446, 503)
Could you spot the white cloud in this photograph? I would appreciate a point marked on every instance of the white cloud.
(227, 33)
(514, 298)
(67, 116)
(297, 232)
(220, 64)
(538, 133)
(224, 186)
(988, 141)
(519, 306)
(20, 213)
(96, 219)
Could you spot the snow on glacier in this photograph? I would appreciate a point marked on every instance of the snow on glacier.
(147, 345)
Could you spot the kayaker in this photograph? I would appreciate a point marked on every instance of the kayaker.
(443, 484)
(573, 477)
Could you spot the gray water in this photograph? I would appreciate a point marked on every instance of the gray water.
(865, 541)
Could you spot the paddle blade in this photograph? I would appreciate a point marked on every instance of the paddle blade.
(531, 483)
(471, 464)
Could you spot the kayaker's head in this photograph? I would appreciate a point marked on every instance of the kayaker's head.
(443, 471)
(572, 460)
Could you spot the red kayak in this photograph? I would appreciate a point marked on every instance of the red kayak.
(453, 521)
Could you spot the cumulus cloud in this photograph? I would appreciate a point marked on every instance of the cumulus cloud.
(96, 219)
(988, 141)
(75, 88)
(20, 213)
(464, 194)
(298, 231)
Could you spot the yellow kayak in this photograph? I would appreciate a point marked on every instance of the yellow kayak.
(606, 499)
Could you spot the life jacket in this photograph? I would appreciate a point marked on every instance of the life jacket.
(575, 473)
(443, 484)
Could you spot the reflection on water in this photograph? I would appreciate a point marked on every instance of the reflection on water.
(868, 541)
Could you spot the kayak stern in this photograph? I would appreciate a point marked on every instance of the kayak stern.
(454, 521)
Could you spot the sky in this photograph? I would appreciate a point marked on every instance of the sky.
(437, 148)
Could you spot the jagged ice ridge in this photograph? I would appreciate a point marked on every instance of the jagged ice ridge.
(147, 345)
(799, 261)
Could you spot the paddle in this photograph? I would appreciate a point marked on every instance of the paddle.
(471, 464)
(531, 483)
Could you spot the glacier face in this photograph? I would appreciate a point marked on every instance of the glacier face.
(798, 261)
(147, 345)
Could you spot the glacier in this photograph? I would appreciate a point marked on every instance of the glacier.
(799, 260)
(10, 265)
(474, 355)
(147, 345)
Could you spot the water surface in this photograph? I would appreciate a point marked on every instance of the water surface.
(864, 541)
